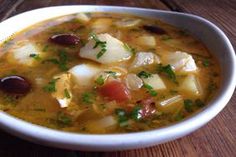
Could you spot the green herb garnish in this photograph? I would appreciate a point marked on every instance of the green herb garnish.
(188, 105)
(63, 119)
(101, 44)
(122, 118)
(150, 89)
(136, 113)
(51, 86)
(112, 73)
(128, 48)
(35, 57)
(199, 103)
(61, 61)
(67, 94)
(100, 80)
(88, 97)
(168, 71)
(205, 63)
(144, 74)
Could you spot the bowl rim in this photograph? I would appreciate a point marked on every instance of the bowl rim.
(94, 142)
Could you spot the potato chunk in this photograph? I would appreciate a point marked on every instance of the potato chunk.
(181, 61)
(83, 74)
(146, 40)
(24, 53)
(144, 58)
(191, 84)
(115, 50)
(155, 81)
(63, 89)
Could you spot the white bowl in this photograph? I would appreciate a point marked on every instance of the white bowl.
(215, 40)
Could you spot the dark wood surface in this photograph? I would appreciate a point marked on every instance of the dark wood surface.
(216, 139)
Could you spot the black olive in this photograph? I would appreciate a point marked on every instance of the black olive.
(65, 39)
(15, 85)
(154, 29)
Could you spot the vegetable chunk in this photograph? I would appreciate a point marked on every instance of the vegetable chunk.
(181, 61)
(155, 82)
(191, 84)
(115, 51)
(25, 53)
(146, 40)
(63, 89)
(143, 59)
(83, 74)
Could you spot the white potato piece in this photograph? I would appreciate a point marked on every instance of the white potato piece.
(133, 82)
(155, 81)
(21, 52)
(146, 40)
(101, 25)
(143, 59)
(63, 88)
(191, 84)
(83, 17)
(181, 61)
(115, 50)
(83, 74)
(127, 22)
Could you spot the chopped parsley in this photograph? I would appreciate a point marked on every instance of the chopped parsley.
(112, 73)
(100, 80)
(188, 105)
(88, 97)
(51, 86)
(199, 103)
(144, 74)
(136, 113)
(61, 61)
(150, 89)
(205, 63)
(67, 94)
(168, 71)
(35, 56)
(101, 44)
(122, 118)
(128, 48)
(63, 119)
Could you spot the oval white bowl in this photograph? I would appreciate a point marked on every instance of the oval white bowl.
(215, 40)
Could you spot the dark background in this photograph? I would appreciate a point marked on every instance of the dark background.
(216, 139)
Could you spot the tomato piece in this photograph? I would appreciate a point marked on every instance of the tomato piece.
(115, 90)
(148, 107)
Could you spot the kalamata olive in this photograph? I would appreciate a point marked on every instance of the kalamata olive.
(15, 85)
(65, 39)
(147, 107)
(154, 29)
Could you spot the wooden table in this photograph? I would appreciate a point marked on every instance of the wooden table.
(217, 138)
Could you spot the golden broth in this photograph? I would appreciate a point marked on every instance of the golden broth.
(89, 111)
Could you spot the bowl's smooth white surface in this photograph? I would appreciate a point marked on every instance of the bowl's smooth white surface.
(208, 33)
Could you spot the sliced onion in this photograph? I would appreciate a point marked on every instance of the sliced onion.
(133, 82)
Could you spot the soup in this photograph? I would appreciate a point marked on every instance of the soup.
(103, 73)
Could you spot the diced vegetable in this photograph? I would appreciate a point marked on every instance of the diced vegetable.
(180, 61)
(168, 71)
(101, 25)
(83, 17)
(62, 89)
(23, 53)
(155, 82)
(114, 50)
(83, 74)
(133, 82)
(128, 22)
(115, 90)
(191, 84)
(143, 59)
(65, 39)
(146, 40)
